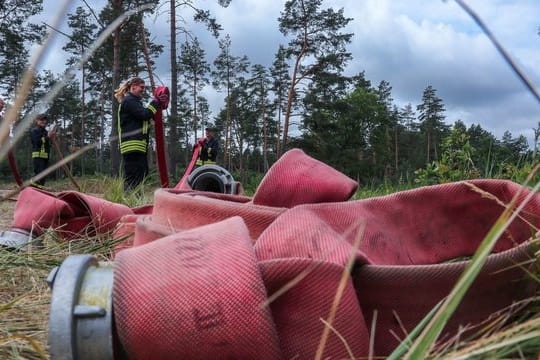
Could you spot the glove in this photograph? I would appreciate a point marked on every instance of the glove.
(156, 102)
(161, 94)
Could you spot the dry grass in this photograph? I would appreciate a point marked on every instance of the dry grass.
(23, 312)
(24, 293)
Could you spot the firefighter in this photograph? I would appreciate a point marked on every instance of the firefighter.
(133, 129)
(41, 147)
(209, 148)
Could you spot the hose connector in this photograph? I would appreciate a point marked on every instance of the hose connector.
(16, 239)
(80, 316)
(212, 178)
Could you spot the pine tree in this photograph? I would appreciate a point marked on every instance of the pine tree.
(194, 69)
(82, 36)
(317, 45)
(17, 34)
(431, 117)
(356, 133)
(259, 88)
(175, 123)
(228, 69)
(410, 140)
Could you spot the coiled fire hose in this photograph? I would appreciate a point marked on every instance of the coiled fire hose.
(208, 275)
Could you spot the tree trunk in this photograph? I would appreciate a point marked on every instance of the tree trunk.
(83, 114)
(428, 140)
(265, 142)
(146, 53)
(396, 152)
(435, 152)
(99, 153)
(115, 151)
(174, 138)
(195, 116)
(280, 111)
(227, 152)
(289, 104)
(291, 95)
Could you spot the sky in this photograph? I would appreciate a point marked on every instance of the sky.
(409, 43)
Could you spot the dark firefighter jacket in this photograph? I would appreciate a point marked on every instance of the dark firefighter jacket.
(134, 122)
(208, 152)
(41, 146)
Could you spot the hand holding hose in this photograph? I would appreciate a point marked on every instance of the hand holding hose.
(162, 95)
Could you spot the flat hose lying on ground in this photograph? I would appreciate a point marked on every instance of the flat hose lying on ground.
(207, 275)
(197, 282)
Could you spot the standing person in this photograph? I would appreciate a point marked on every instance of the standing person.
(209, 148)
(41, 147)
(133, 129)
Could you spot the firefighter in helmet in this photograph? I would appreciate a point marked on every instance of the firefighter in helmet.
(41, 147)
(209, 148)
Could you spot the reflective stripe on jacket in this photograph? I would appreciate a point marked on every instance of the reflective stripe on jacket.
(40, 143)
(207, 162)
(208, 152)
(134, 123)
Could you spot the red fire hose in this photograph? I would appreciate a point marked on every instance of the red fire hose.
(215, 276)
(160, 149)
(193, 256)
(160, 141)
(182, 183)
(14, 169)
(12, 163)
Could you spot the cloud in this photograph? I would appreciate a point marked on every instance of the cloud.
(409, 43)
(436, 43)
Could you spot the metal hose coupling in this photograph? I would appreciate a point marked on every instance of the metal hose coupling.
(16, 239)
(80, 316)
(212, 178)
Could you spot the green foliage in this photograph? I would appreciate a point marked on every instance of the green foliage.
(456, 161)
(194, 69)
(366, 191)
(317, 46)
(112, 189)
(518, 172)
(431, 121)
(250, 180)
(505, 159)
(17, 34)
